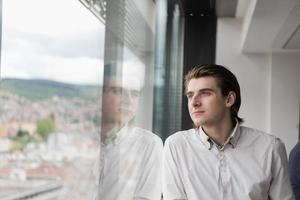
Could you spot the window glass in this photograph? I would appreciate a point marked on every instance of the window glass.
(87, 87)
(50, 96)
(77, 100)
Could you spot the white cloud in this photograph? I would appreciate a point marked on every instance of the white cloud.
(81, 70)
(133, 72)
(52, 39)
(49, 17)
(75, 70)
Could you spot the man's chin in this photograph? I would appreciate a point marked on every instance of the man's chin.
(198, 123)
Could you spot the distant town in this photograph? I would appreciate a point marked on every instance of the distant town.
(49, 147)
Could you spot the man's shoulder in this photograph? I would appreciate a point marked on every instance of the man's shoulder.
(256, 132)
(297, 148)
(295, 152)
(258, 137)
(146, 136)
(180, 136)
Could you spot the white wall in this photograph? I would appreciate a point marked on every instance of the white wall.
(251, 70)
(269, 83)
(285, 97)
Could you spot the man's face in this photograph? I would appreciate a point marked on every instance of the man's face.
(119, 105)
(207, 106)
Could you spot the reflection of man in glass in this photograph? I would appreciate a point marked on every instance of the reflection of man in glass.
(119, 106)
(130, 156)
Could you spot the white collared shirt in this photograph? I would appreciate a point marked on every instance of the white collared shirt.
(130, 166)
(251, 165)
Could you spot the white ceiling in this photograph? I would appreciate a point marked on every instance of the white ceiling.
(271, 25)
(294, 40)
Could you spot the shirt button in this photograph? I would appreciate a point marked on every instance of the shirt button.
(221, 157)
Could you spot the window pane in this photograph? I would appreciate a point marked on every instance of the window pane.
(51, 83)
(77, 99)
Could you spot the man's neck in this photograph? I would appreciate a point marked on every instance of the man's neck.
(221, 132)
(109, 129)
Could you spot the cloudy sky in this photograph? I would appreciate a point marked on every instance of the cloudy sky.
(51, 39)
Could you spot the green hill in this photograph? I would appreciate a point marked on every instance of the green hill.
(36, 89)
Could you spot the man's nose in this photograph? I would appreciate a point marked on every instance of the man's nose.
(126, 96)
(196, 101)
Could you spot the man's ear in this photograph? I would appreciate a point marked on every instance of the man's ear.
(230, 99)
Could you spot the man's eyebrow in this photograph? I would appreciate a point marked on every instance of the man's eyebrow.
(206, 90)
(201, 90)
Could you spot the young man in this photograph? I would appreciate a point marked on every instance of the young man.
(219, 158)
(294, 169)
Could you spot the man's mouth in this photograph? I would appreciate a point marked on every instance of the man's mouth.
(200, 112)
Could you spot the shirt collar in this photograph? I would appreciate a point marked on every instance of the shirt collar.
(117, 137)
(204, 138)
(232, 139)
(235, 135)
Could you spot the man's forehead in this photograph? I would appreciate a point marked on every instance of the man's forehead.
(202, 83)
(114, 82)
(128, 76)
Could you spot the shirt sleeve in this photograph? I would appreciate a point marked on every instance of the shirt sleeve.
(149, 183)
(294, 170)
(280, 187)
(173, 188)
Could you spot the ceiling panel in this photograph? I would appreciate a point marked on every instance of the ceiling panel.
(294, 41)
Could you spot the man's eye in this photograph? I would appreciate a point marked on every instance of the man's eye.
(116, 90)
(205, 93)
(189, 96)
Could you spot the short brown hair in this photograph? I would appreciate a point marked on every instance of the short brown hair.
(226, 81)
